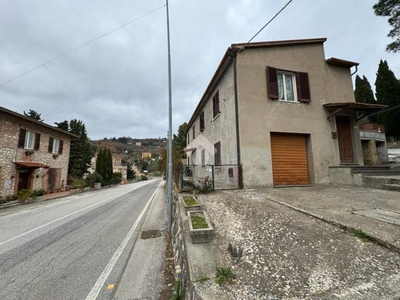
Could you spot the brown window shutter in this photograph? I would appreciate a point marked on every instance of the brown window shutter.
(37, 142)
(60, 148)
(21, 139)
(51, 144)
(303, 87)
(217, 103)
(202, 121)
(272, 83)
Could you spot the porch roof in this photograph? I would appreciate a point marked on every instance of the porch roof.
(356, 106)
(368, 108)
(31, 165)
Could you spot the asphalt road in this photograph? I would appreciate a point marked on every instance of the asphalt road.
(73, 247)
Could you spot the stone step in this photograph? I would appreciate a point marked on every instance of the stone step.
(379, 182)
(392, 187)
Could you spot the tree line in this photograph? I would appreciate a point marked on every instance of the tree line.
(387, 92)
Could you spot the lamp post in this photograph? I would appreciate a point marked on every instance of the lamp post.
(169, 178)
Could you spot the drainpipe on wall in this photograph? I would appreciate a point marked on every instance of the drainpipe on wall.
(233, 55)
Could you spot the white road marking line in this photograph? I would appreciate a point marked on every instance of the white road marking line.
(104, 275)
(56, 220)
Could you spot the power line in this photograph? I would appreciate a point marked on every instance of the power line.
(269, 21)
(81, 46)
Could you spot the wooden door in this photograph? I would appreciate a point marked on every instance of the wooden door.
(289, 159)
(23, 180)
(344, 139)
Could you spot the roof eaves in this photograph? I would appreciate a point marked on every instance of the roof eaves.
(341, 62)
(280, 43)
(29, 119)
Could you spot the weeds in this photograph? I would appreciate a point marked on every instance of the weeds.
(198, 222)
(365, 238)
(224, 275)
(189, 200)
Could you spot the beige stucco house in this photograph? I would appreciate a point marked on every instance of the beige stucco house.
(118, 166)
(277, 113)
(33, 154)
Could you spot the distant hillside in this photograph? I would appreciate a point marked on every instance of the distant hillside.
(131, 149)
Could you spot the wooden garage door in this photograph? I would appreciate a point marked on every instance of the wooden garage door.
(289, 159)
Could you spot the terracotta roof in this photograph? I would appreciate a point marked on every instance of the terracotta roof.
(357, 106)
(15, 114)
(341, 62)
(30, 165)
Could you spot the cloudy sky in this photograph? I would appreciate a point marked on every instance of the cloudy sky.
(118, 84)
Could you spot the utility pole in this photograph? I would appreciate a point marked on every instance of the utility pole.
(169, 178)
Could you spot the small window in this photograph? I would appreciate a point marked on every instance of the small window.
(217, 154)
(202, 127)
(230, 172)
(194, 131)
(203, 157)
(216, 110)
(55, 145)
(288, 85)
(28, 140)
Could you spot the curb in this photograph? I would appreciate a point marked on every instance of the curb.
(347, 228)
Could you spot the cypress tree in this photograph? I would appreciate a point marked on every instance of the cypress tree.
(363, 93)
(81, 152)
(388, 93)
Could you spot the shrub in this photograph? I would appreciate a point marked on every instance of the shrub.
(116, 178)
(24, 194)
(37, 193)
(143, 177)
(2, 200)
(78, 184)
(91, 179)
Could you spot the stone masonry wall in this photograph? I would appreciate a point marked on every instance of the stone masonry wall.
(9, 153)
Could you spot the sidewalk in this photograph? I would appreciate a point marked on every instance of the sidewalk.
(143, 277)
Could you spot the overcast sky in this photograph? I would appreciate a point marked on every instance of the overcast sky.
(118, 84)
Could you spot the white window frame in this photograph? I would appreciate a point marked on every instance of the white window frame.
(29, 140)
(56, 146)
(293, 77)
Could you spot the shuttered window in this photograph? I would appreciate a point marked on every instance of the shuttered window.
(288, 85)
(216, 110)
(202, 127)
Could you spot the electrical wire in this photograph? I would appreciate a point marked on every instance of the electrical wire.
(269, 21)
(81, 46)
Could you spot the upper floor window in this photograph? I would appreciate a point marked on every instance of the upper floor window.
(202, 127)
(28, 140)
(216, 110)
(55, 145)
(203, 157)
(194, 131)
(288, 85)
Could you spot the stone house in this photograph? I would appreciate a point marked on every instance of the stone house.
(33, 154)
(276, 114)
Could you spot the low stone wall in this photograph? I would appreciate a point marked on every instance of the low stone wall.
(179, 244)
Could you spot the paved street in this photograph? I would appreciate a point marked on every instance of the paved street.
(75, 247)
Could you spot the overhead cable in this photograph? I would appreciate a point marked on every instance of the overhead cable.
(81, 46)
